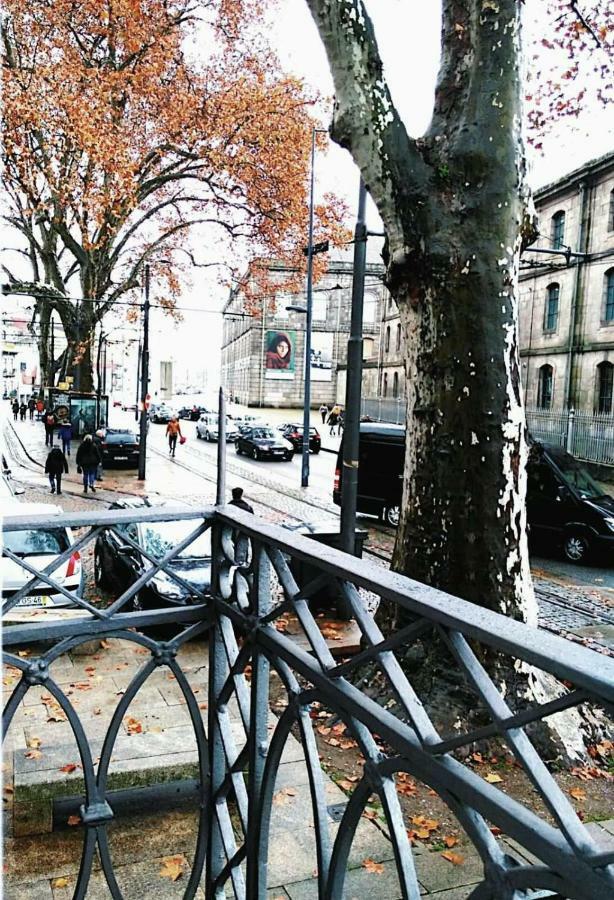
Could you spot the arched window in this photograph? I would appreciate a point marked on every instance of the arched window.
(605, 387)
(558, 229)
(387, 344)
(611, 212)
(608, 313)
(544, 387)
(398, 337)
(551, 313)
(395, 385)
(385, 391)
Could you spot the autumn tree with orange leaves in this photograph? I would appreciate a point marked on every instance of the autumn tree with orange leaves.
(129, 122)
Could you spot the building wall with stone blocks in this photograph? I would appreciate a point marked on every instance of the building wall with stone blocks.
(563, 320)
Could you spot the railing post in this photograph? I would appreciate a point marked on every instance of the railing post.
(256, 880)
(217, 763)
(569, 437)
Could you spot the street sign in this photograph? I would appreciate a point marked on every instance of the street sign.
(69, 379)
(322, 247)
(147, 401)
(63, 386)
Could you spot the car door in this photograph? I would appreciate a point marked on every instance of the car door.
(547, 500)
(127, 562)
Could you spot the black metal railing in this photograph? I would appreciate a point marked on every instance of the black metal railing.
(253, 588)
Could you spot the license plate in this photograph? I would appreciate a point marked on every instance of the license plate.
(121, 457)
(278, 452)
(43, 600)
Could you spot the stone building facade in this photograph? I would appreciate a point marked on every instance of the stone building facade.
(567, 300)
(263, 355)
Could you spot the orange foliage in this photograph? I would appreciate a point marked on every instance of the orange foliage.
(129, 122)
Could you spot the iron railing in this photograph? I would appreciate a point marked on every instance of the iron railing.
(253, 588)
(586, 435)
(384, 409)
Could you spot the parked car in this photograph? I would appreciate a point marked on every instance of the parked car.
(120, 445)
(161, 412)
(208, 428)
(294, 434)
(117, 565)
(263, 442)
(192, 413)
(381, 457)
(566, 507)
(38, 547)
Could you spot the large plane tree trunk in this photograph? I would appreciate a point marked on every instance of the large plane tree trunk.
(453, 208)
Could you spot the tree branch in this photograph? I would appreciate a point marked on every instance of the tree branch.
(366, 121)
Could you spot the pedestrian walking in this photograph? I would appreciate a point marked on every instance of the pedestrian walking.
(341, 422)
(173, 431)
(88, 459)
(333, 419)
(99, 440)
(324, 412)
(50, 422)
(40, 409)
(22, 411)
(31, 407)
(55, 466)
(15, 408)
(65, 435)
(238, 501)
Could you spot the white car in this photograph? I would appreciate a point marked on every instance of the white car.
(39, 547)
(161, 412)
(207, 428)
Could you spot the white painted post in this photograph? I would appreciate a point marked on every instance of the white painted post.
(569, 439)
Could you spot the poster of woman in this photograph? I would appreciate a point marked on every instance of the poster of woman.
(279, 359)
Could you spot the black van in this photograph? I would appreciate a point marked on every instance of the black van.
(566, 508)
(380, 471)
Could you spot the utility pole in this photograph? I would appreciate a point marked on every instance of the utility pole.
(309, 310)
(144, 380)
(51, 367)
(351, 428)
(138, 383)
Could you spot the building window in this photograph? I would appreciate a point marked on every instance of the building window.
(609, 297)
(395, 385)
(605, 384)
(611, 212)
(551, 316)
(558, 229)
(387, 343)
(544, 388)
(398, 337)
(385, 389)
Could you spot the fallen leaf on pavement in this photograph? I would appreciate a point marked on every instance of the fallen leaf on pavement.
(96, 711)
(493, 778)
(371, 866)
(34, 743)
(281, 797)
(345, 785)
(172, 867)
(455, 858)
(33, 754)
(60, 882)
(105, 644)
(577, 793)
(68, 768)
(450, 841)
(73, 820)
(202, 705)
(133, 726)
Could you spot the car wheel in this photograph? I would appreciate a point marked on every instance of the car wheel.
(576, 547)
(392, 515)
(315, 451)
(255, 454)
(100, 578)
(289, 457)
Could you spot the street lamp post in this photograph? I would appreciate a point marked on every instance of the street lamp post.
(309, 313)
(144, 380)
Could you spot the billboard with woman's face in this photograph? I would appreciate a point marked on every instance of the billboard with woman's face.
(279, 354)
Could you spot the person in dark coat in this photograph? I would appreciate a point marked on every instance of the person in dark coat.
(88, 460)
(15, 407)
(237, 500)
(22, 411)
(31, 407)
(65, 434)
(50, 423)
(54, 467)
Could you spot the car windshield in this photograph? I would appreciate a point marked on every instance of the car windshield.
(264, 433)
(49, 542)
(578, 477)
(160, 537)
(115, 436)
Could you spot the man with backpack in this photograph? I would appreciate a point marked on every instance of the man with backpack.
(54, 467)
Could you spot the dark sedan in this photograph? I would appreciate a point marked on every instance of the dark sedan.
(117, 565)
(120, 446)
(294, 434)
(264, 443)
(192, 413)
